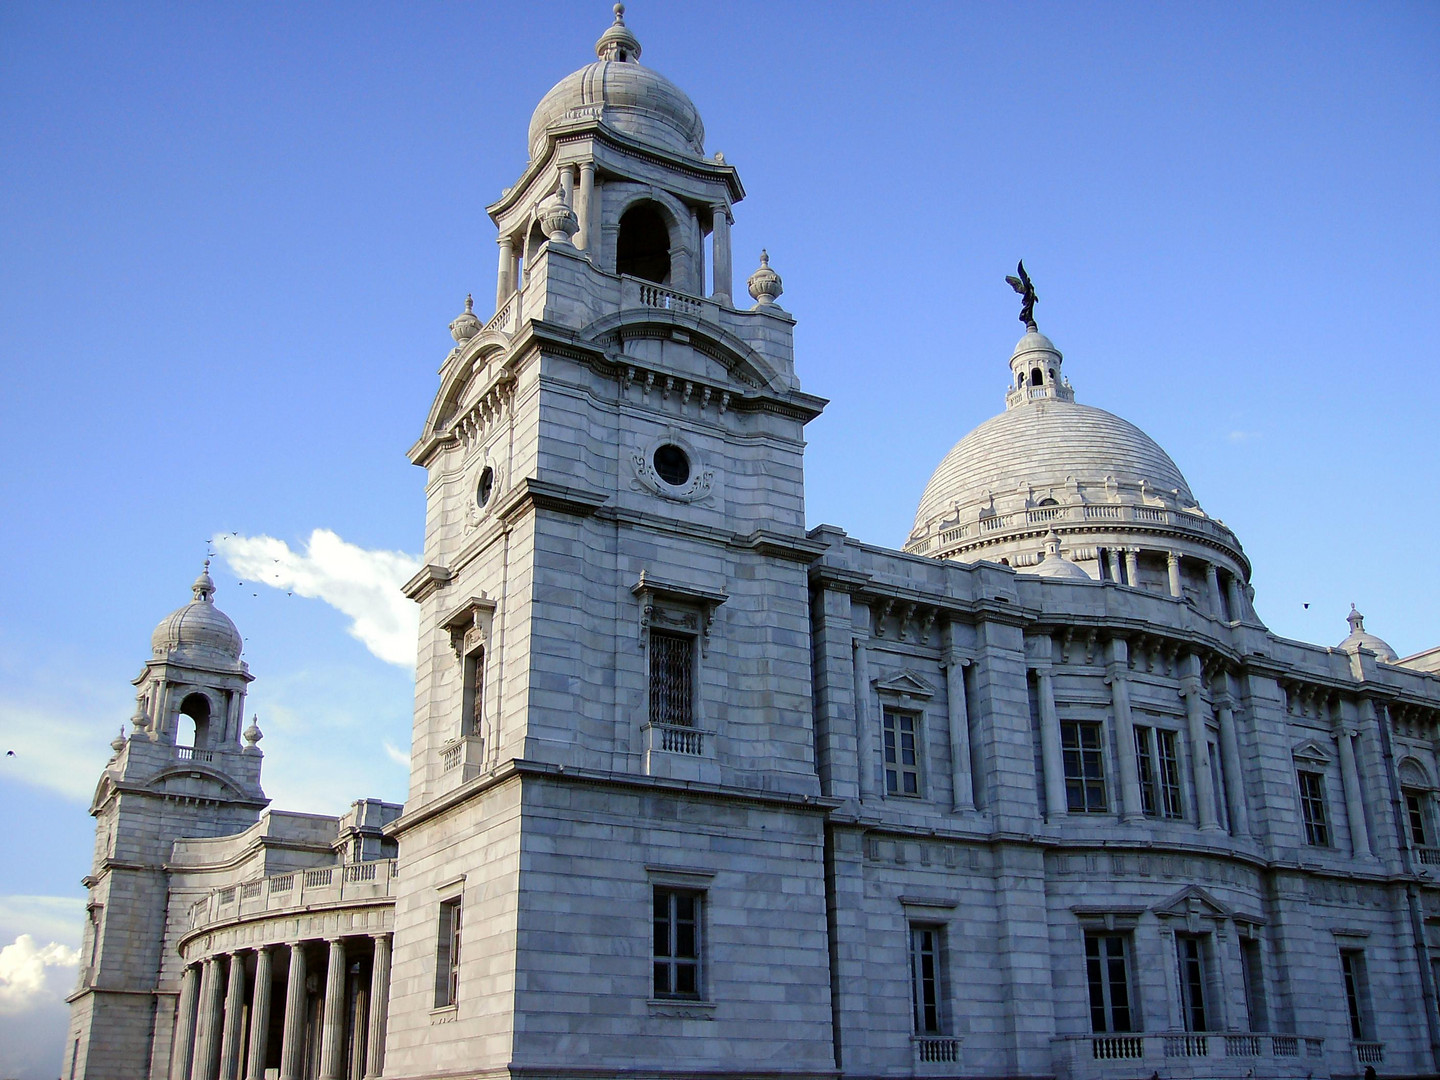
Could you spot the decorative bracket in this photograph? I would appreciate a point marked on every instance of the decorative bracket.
(649, 588)
(469, 624)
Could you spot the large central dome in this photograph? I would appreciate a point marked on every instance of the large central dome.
(623, 94)
(1118, 505)
(1045, 449)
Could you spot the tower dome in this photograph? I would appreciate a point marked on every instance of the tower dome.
(623, 94)
(199, 631)
(1360, 638)
(1120, 504)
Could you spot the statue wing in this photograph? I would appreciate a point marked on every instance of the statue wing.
(1024, 277)
(1016, 284)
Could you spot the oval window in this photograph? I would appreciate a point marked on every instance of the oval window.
(486, 487)
(672, 464)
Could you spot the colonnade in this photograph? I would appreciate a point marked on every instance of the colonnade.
(1224, 597)
(223, 1029)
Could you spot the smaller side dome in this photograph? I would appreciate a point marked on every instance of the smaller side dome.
(199, 631)
(1360, 638)
(1055, 565)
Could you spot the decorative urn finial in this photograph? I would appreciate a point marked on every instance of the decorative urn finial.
(118, 742)
(140, 722)
(764, 283)
(466, 325)
(557, 219)
(253, 735)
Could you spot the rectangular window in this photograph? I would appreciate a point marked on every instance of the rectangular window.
(672, 679)
(447, 954)
(1252, 969)
(1357, 994)
(1415, 817)
(902, 753)
(1191, 950)
(474, 696)
(1107, 970)
(1158, 763)
(926, 959)
(677, 942)
(1312, 808)
(1084, 767)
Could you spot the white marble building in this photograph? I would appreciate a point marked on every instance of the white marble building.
(696, 792)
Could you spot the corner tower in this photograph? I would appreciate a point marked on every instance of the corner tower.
(614, 628)
(186, 769)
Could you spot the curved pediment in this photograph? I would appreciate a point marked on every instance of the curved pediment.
(457, 376)
(190, 772)
(746, 366)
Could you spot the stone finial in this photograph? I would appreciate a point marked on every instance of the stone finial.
(618, 44)
(253, 734)
(466, 324)
(764, 283)
(140, 722)
(118, 742)
(204, 587)
(557, 219)
(1356, 620)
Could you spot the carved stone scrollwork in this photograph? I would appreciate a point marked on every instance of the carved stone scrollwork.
(697, 487)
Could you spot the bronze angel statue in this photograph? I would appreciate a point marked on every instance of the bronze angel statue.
(1026, 289)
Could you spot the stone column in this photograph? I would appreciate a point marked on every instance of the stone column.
(1232, 587)
(1350, 778)
(567, 185)
(230, 1043)
(332, 1036)
(582, 209)
(292, 1048)
(379, 1007)
(1212, 579)
(864, 734)
(183, 1052)
(1114, 558)
(596, 243)
(961, 783)
(207, 1037)
(260, 1014)
(1131, 808)
(1052, 759)
(1177, 589)
(1199, 745)
(505, 281)
(1132, 566)
(1234, 771)
(720, 241)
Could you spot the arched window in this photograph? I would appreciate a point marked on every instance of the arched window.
(1047, 502)
(532, 248)
(194, 722)
(643, 247)
(1037, 377)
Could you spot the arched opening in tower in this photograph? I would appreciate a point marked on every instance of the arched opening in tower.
(643, 247)
(193, 725)
(1037, 377)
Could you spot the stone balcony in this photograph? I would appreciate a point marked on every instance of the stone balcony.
(1183, 1055)
(299, 890)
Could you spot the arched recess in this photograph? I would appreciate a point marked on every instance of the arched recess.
(642, 247)
(533, 243)
(684, 234)
(192, 726)
(451, 397)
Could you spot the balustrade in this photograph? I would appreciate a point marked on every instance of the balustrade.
(189, 753)
(680, 740)
(355, 881)
(1369, 1053)
(1428, 856)
(936, 1049)
(1087, 1057)
(657, 297)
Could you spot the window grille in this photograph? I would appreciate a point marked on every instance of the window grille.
(1107, 969)
(1312, 808)
(677, 943)
(902, 753)
(1084, 767)
(925, 960)
(672, 679)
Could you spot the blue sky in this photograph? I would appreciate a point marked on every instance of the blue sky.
(233, 236)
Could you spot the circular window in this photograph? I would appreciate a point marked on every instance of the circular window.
(486, 487)
(672, 464)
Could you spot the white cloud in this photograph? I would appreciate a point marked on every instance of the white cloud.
(23, 980)
(1238, 436)
(59, 747)
(397, 755)
(362, 584)
(53, 918)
